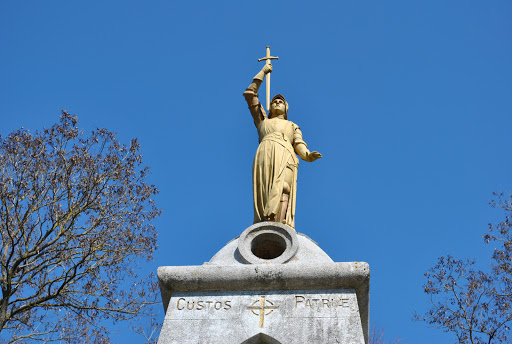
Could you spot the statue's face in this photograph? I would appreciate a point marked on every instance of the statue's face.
(277, 107)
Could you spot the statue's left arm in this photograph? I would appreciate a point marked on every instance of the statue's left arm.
(301, 148)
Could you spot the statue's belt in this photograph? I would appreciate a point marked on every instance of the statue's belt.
(281, 139)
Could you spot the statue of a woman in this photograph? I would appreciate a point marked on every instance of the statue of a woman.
(274, 171)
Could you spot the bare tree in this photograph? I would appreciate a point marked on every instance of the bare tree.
(475, 305)
(502, 256)
(74, 223)
(377, 336)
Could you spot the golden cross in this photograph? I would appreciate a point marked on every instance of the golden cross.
(267, 61)
(262, 308)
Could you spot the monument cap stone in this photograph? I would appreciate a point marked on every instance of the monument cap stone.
(268, 243)
(270, 285)
(302, 249)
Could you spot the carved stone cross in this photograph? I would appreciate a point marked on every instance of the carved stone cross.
(262, 308)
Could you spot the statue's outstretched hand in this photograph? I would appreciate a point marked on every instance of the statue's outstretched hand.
(267, 68)
(312, 156)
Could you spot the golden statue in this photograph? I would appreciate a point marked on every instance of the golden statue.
(274, 170)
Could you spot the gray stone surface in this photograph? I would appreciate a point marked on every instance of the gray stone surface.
(307, 250)
(267, 243)
(299, 316)
(267, 278)
(270, 285)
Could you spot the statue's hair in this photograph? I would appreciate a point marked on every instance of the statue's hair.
(279, 96)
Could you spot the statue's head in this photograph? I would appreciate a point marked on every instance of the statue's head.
(278, 106)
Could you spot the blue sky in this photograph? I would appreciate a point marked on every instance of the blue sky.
(408, 101)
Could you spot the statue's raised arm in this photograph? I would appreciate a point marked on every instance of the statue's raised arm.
(274, 172)
(251, 95)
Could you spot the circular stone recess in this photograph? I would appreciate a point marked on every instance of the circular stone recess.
(268, 243)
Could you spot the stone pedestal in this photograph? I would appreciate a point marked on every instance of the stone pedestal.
(270, 285)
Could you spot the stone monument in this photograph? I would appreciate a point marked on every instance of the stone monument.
(270, 284)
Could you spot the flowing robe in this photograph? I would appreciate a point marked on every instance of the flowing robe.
(275, 153)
